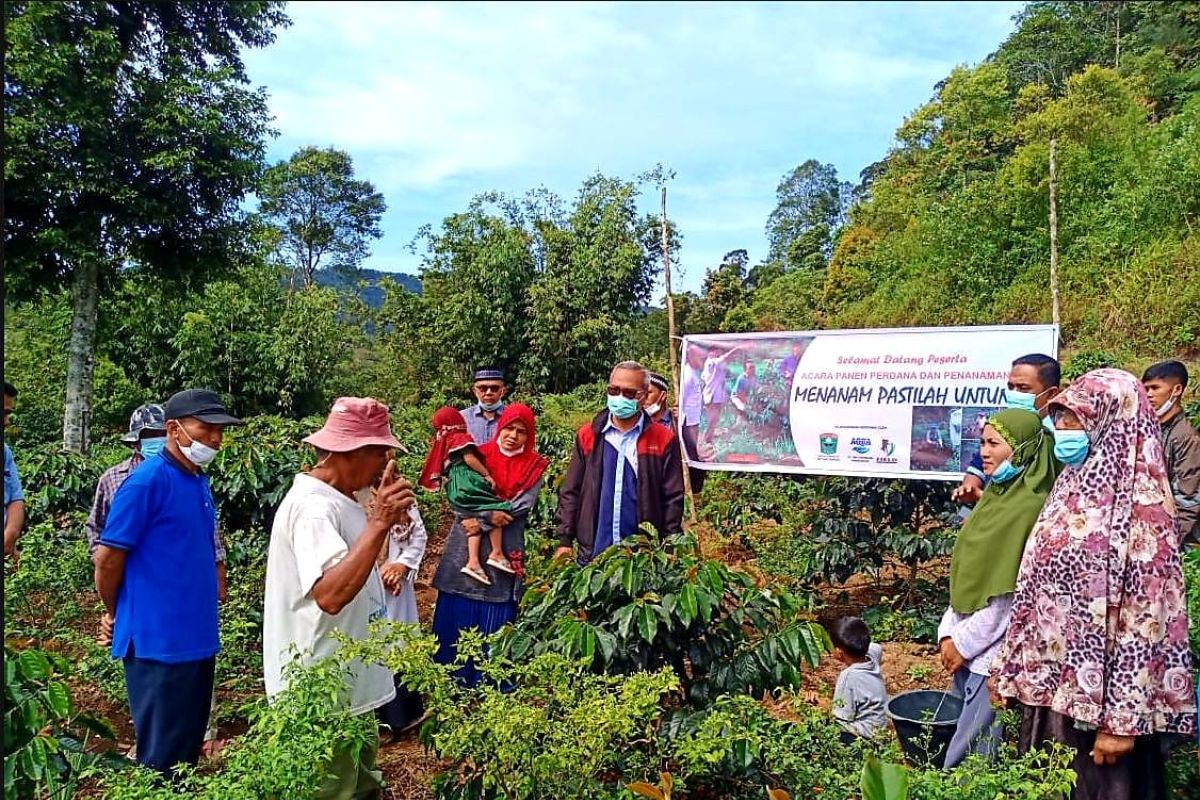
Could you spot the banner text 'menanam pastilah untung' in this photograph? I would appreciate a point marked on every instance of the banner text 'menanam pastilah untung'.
(889, 402)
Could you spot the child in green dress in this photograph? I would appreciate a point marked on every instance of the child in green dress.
(454, 464)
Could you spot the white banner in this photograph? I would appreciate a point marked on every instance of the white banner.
(888, 402)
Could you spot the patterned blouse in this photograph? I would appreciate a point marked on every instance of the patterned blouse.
(1099, 629)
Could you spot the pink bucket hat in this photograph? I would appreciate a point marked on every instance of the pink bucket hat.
(355, 422)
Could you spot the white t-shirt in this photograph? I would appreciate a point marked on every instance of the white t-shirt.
(315, 527)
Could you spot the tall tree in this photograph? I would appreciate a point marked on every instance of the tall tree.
(810, 205)
(132, 136)
(598, 275)
(475, 283)
(320, 211)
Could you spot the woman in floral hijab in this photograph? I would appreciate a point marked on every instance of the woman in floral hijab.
(1096, 653)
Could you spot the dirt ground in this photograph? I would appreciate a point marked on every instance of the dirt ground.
(407, 766)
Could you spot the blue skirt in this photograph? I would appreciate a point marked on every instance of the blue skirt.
(454, 614)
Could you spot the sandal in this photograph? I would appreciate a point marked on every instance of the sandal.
(502, 564)
(477, 575)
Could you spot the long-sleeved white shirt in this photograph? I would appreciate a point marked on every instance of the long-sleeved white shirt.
(978, 635)
(406, 545)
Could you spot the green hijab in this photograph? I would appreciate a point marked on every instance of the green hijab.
(988, 552)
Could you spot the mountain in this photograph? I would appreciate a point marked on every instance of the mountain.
(366, 283)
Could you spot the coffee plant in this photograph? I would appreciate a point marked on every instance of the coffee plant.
(45, 736)
(647, 603)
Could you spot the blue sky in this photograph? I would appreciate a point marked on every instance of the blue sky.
(439, 102)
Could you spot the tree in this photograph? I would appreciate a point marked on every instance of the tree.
(598, 274)
(475, 292)
(724, 290)
(320, 211)
(132, 138)
(811, 205)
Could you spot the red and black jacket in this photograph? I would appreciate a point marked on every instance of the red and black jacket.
(659, 484)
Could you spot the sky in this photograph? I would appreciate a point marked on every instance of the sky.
(439, 102)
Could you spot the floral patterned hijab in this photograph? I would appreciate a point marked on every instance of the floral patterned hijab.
(1099, 630)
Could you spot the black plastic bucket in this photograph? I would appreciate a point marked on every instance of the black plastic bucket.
(925, 722)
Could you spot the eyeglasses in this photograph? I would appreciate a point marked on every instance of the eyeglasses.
(627, 393)
(489, 388)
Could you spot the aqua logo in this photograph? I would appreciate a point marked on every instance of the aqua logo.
(860, 444)
(829, 443)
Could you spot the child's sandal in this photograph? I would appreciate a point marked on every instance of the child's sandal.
(502, 564)
(477, 575)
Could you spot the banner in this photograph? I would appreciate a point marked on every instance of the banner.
(889, 402)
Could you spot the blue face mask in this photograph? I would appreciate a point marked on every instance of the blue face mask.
(1022, 400)
(1071, 447)
(622, 407)
(1006, 472)
(491, 406)
(1048, 424)
(152, 447)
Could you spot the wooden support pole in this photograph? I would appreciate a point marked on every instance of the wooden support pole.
(1054, 230)
(673, 354)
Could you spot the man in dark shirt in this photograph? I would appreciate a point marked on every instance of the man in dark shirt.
(1165, 383)
(625, 471)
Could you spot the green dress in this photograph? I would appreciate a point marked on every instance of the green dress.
(468, 491)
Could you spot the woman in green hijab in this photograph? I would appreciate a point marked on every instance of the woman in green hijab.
(1018, 458)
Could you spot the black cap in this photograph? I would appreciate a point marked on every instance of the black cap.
(202, 404)
(489, 374)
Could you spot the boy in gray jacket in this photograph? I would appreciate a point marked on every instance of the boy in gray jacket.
(860, 695)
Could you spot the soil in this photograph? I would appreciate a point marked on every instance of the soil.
(408, 767)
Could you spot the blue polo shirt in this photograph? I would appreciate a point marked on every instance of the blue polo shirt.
(163, 517)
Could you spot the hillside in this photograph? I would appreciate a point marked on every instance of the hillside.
(366, 282)
(951, 226)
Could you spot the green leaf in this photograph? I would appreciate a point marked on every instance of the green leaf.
(647, 623)
(882, 781)
(688, 605)
(34, 665)
(59, 699)
(629, 578)
(625, 618)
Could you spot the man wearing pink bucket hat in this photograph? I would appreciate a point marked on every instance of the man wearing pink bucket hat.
(321, 565)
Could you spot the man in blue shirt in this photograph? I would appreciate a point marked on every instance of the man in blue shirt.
(490, 389)
(155, 572)
(14, 498)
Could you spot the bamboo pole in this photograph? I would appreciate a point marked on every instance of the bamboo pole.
(674, 359)
(1054, 230)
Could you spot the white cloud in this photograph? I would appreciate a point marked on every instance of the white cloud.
(437, 102)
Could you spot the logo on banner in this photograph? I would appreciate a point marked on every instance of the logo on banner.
(860, 445)
(829, 443)
(888, 450)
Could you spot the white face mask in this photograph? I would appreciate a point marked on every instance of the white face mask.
(1166, 407)
(654, 409)
(510, 453)
(198, 453)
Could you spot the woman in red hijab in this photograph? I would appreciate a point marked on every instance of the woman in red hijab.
(511, 458)
(516, 467)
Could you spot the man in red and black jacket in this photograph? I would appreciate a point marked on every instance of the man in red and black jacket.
(625, 471)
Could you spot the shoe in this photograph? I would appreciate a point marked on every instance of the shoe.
(479, 576)
(502, 564)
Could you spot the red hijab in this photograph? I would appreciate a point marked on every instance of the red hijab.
(514, 474)
(449, 434)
